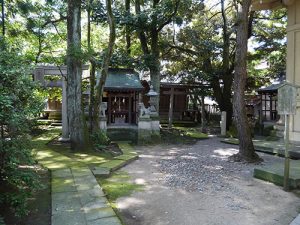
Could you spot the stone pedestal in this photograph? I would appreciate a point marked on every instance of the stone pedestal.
(155, 127)
(103, 123)
(223, 123)
(144, 129)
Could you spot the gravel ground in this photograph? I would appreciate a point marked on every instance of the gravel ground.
(197, 185)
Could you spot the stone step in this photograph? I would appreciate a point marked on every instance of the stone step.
(56, 124)
(274, 173)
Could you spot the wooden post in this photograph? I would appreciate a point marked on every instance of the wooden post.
(129, 109)
(109, 106)
(287, 157)
(171, 108)
(202, 113)
(261, 126)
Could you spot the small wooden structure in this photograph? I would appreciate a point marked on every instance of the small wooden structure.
(121, 92)
(174, 100)
(268, 98)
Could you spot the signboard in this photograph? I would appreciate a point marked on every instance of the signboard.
(287, 99)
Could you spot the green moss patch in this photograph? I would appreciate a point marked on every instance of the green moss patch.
(58, 156)
(192, 132)
(114, 164)
(127, 157)
(126, 148)
(232, 141)
(118, 185)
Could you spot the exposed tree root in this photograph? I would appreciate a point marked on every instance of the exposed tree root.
(254, 158)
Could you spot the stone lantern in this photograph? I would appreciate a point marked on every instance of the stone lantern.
(152, 94)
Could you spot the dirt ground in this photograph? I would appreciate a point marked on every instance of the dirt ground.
(217, 193)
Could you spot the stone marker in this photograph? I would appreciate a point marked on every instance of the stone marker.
(223, 123)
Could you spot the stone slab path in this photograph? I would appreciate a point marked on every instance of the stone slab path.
(77, 199)
(296, 221)
(272, 147)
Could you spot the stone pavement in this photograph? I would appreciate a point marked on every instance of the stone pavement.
(273, 147)
(296, 221)
(77, 199)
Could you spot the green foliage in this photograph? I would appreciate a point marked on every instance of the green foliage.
(232, 132)
(20, 102)
(269, 47)
(100, 140)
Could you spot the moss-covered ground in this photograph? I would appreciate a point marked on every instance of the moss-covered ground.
(192, 132)
(118, 185)
(57, 156)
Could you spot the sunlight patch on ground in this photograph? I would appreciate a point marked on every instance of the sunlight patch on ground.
(213, 167)
(225, 152)
(188, 157)
(140, 181)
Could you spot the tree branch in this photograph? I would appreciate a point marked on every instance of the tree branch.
(169, 20)
(62, 18)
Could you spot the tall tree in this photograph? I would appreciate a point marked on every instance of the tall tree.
(106, 60)
(3, 18)
(127, 28)
(203, 50)
(246, 148)
(150, 23)
(74, 68)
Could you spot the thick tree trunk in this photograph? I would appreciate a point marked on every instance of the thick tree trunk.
(3, 18)
(92, 70)
(74, 68)
(246, 148)
(127, 30)
(92, 95)
(155, 81)
(106, 61)
(223, 98)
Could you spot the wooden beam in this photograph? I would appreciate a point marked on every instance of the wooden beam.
(175, 92)
(171, 107)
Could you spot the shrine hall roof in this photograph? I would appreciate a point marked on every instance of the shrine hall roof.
(123, 80)
(270, 89)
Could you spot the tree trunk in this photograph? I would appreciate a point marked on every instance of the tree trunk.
(155, 82)
(92, 95)
(127, 31)
(3, 18)
(106, 61)
(246, 148)
(92, 70)
(74, 68)
(154, 64)
(223, 97)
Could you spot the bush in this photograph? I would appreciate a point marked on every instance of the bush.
(232, 132)
(100, 140)
(19, 104)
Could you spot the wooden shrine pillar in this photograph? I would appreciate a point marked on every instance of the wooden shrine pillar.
(171, 106)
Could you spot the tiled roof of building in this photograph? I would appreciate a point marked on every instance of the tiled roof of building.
(122, 80)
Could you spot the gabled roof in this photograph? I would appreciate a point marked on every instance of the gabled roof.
(270, 89)
(123, 80)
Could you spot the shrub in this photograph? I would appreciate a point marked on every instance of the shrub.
(99, 139)
(19, 104)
